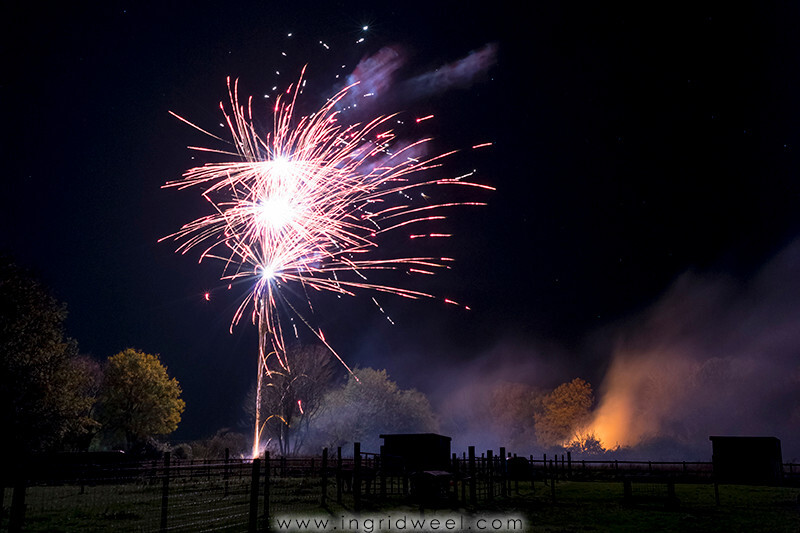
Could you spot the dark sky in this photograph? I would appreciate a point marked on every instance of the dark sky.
(630, 148)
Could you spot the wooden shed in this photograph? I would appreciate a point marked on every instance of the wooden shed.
(418, 452)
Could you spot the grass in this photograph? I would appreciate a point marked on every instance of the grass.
(579, 506)
(598, 507)
(136, 506)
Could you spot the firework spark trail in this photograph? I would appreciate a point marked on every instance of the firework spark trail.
(304, 203)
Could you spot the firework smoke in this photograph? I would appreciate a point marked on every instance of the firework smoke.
(715, 356)
(458, 74)
(377, 75)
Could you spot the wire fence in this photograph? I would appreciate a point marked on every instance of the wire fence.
(242, 495)
(140, 496)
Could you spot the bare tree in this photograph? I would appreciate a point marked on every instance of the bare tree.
(291, 398)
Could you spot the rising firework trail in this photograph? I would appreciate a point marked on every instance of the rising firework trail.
(305, 206)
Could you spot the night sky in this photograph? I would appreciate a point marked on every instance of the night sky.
(630, 147)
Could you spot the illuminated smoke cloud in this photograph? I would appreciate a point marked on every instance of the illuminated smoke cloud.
(715, 356)
(376, 76)
(458, 74)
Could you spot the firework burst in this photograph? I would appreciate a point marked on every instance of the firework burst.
(305, 205)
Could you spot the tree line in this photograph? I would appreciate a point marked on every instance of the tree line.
(53, 398)
(309, 405)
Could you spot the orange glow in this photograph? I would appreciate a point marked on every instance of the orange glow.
(639, 392)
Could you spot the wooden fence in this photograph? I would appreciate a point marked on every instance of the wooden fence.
(171, 495)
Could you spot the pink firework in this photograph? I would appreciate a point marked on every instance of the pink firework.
(305, 204)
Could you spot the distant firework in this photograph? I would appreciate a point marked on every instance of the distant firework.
(304, 205)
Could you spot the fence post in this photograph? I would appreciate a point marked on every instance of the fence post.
(544, 466)
(339, 475)
(226, 470)
(503, 477)
(266, 492)
(165, 493)
(382, 469)
(490, 474)
(552, 481)
(252, 523)
(17, 519)
(357, 476)
(456, 476)
(533, 476)
(323, 500)
(473, 492)
(569, 465)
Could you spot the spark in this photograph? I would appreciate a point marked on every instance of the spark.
(305, 205)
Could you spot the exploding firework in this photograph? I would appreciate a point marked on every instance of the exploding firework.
(305, 205)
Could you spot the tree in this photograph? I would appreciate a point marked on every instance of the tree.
(370, 404)
(237, 444)
(44, 388)
(291, 397)
(587, 444)
(564, 412)
(138, 399)
(82, 377)
(512, 409)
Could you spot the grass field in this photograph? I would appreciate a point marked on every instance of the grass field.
(579, 506)
(599, 507)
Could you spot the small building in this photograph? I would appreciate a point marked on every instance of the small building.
(417, 452)
(747, 460)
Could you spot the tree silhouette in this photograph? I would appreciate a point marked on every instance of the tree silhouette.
(44, 393)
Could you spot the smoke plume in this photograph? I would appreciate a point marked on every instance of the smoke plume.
(377, 76)
(715, 356)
